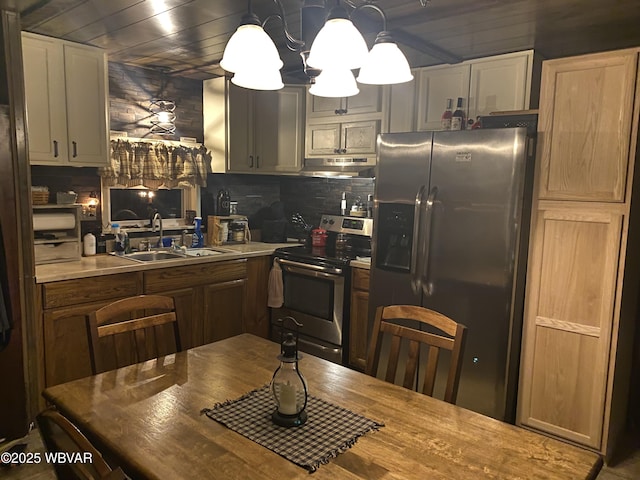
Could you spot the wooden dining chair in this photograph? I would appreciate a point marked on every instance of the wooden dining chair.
(450, 336)
(132, 330)
(59, 435)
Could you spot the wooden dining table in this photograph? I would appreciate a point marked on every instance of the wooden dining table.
(147, 418)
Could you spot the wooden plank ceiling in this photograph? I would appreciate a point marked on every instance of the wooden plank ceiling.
(187, 37)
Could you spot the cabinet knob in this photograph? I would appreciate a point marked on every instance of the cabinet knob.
(75, 149)
(336, 150)
(55, 149)
(250, 161)
(258, 161)
(344, 150)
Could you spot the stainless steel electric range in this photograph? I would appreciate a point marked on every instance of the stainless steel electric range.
(317, 282)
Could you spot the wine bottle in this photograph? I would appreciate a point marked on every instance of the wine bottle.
(446, 116)
(457, 119)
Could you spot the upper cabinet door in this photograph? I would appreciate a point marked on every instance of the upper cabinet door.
(435, 85)
(500, 84)
(318, 107)
(584, 126)
(46, 110)
(66, 97)
(86, 93)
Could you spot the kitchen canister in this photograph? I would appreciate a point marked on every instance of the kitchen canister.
(89, 244)
(318, 237)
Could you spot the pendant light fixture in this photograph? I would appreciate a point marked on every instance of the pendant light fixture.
(335, 82)
(337, 49)
(252, 56)
(338, 44)
(385, 64)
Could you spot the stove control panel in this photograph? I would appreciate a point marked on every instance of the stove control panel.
(351, 225)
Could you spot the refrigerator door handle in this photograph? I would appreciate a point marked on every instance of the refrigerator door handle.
(427, 286)
(416, 280)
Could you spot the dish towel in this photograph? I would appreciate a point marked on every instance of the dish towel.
(276, 287)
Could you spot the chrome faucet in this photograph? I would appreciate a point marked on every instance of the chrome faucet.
(156, 216)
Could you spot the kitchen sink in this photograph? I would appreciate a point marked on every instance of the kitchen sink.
(159, 255)
(202, 252)
(152, 256)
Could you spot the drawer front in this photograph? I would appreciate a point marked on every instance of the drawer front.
(91, 289)
(202, 274)
(360, 279)
(56, 252)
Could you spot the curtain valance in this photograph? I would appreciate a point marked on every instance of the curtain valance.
(156, 165)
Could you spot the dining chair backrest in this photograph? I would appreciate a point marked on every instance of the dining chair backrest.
(60, 436)
(132, 330)
(449, 335)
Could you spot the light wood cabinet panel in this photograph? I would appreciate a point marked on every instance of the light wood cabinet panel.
(569, 314)
(583, 275)
(585, 126)
(358, 319)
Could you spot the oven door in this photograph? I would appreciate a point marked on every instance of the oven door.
(314, 296)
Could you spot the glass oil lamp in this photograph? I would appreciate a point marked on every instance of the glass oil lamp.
(289, 387)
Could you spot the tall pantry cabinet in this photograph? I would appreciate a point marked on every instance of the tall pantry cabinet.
(582, 279)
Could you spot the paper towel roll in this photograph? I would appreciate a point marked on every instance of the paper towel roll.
(53, 221)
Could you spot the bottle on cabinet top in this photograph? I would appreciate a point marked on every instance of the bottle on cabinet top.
(447, 115)
(457, 119)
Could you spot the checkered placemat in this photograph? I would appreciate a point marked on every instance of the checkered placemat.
(329, 430)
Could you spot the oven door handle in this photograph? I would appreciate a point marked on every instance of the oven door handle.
(328, 271)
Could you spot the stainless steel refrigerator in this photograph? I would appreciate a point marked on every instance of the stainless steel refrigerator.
(451, 223)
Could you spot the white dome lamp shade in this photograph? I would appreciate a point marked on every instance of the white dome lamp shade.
(338, 44)
(250, 48)
(335, 82)
(385, 63)
(258, 79)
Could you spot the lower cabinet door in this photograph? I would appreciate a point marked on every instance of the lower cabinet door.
(569, 312)
(224, 310)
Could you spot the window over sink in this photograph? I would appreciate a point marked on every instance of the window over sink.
(133, 207)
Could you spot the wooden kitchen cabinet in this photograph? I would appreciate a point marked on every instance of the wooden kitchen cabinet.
(64, 307)
(346, 127)
(257, 311)
(370, 100)
(486, 85)
(583, 269)
(259, 132)
(359, 319)
(352, 138)
(218, 292)
(66, 100)
(586, 119)
(210, 298)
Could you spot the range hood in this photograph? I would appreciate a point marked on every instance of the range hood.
(339, 167)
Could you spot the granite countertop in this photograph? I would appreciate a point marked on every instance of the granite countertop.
(105, 264)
